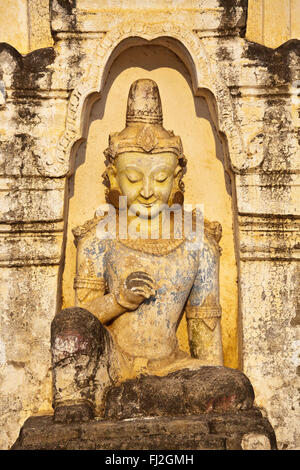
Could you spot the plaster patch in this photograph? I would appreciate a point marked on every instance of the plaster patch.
(253, 441)
(2, 353)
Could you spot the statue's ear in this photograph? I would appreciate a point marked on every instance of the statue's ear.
(113, 193)
(178, 171)
(112, 176)
(176, 196)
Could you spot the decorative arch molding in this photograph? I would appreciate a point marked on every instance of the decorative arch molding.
(206, 80)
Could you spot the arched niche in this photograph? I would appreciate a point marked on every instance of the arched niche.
(207, 180)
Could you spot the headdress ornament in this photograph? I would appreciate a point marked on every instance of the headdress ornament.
(144, 131)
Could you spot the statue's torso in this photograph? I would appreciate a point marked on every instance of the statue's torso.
(177, 271)
(150, 330)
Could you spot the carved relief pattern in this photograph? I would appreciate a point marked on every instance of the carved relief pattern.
(93, 81)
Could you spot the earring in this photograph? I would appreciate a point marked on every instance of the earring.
(178, 198)
(113, 195)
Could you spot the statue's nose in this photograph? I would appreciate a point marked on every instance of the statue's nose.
(147, 189)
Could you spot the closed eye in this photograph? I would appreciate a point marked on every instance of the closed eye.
(133, 177)
(161, 177)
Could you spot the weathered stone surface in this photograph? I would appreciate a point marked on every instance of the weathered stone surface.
(44, 102)
(254, 441)
(79, 323)
(268, 23)
(78, 340)
(73, 413)
(186, 392)
(210, 16)
(269, 335)
(194, 433)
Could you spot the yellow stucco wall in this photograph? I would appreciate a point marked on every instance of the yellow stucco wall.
(25, 23)
(273, 22)
(14, 24)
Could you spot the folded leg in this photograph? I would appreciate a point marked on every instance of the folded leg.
(82, 352)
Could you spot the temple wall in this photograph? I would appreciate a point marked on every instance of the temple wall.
(272, 22)
(238, 99)
(25, 24)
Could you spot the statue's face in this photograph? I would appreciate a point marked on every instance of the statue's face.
(146, 180)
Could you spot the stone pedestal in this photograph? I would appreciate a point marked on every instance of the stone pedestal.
(212, 431)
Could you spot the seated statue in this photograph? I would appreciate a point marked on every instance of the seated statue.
(132, 290)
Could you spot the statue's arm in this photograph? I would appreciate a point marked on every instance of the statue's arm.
(89, 284)
(104, 307)
(203, 311)
(90, 288)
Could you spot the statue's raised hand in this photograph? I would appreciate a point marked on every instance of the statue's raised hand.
(137, 287)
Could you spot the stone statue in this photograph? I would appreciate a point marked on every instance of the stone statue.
(140, 268)
(132, 290)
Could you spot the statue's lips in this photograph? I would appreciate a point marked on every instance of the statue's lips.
(147, 204)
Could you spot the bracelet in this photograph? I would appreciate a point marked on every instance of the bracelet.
(203, 312)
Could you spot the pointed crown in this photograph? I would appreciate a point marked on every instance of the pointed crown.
(144, 131)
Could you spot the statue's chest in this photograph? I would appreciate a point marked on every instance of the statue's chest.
(175, 270)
